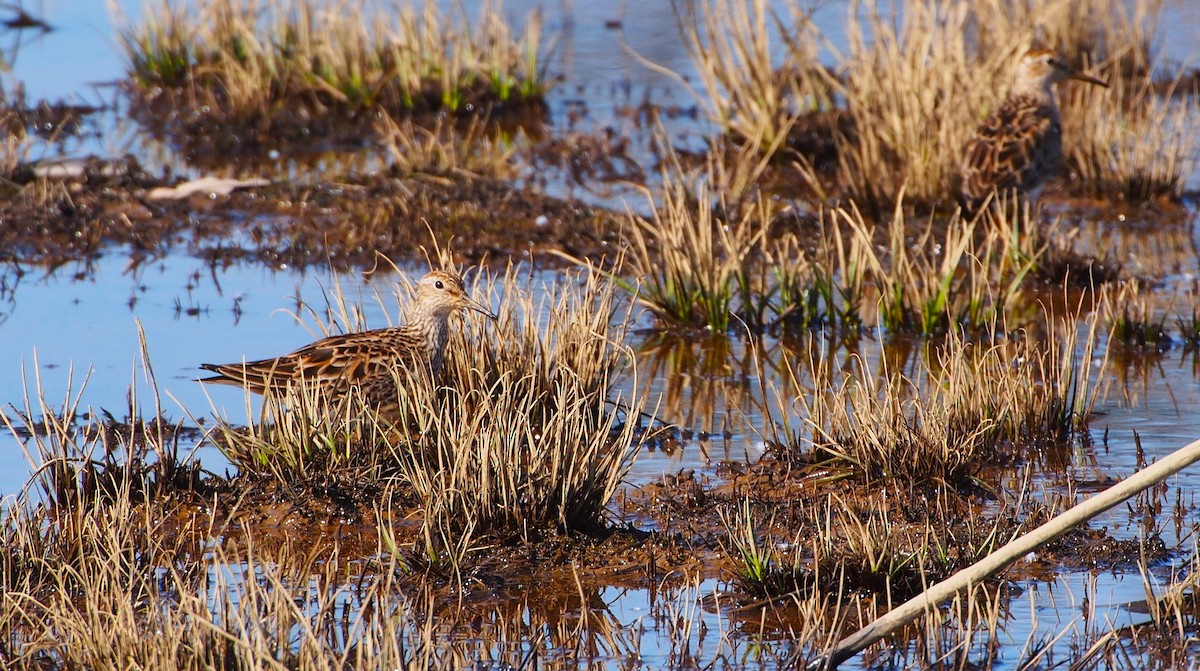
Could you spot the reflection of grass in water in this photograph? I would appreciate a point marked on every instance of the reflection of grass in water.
(443, 152)
(701, 379)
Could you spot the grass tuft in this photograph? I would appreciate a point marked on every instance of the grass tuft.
(530, 434)
(734, 47)
(1141, 152)
(691, 253)
(968, 407)
(255, 60)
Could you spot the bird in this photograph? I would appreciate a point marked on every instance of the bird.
(370, 361)
(1019, 145)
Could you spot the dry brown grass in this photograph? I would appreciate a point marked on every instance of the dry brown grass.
(1088, 33)
(914, 91)
(1141, 149)
(734, 46)
(968, 406)
(915, 81)
(251, 59)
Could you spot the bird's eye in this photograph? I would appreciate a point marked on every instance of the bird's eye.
(439, 284)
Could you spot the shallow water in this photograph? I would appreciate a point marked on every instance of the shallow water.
(86, 319)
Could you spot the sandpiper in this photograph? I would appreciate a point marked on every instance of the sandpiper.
(1019, 145)
(370, 361)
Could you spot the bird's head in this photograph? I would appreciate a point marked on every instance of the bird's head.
(1040, 69)
(441, 293)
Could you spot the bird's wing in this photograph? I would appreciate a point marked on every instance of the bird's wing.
(332, 363)
(1009, 149)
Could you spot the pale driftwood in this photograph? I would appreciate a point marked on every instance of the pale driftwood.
(1015, 549)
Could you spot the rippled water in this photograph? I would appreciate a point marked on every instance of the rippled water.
(86, 319)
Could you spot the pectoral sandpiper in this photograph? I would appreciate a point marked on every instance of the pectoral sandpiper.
(369, 360)
(1019, 145)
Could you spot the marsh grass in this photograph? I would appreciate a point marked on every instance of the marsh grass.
(912, 87)
(1189, 321)
(1135, 322)
(930, 281)
(302, 440)
(734, 47)
(700, 262)
(132, 585)
(968, 407)
(1173, 607)
(874, 547)
(1139, 150)
(689, 259)
(86, 456)
(1086, 32)
(254, 59)
(763, 567)
(824, 284)
(915, 80)
(833, 557)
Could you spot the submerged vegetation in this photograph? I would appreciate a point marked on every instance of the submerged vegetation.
(857, 389)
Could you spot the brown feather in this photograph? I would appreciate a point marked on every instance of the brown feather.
(1016, 147)
(1019, 145)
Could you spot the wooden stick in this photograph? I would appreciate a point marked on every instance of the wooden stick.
(998, 560)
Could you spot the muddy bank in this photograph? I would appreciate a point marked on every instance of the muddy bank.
(343, 224)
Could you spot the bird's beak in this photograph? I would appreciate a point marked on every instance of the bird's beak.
(478, 307)
(1079, 76)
